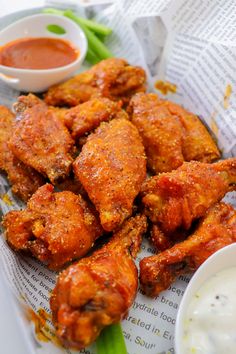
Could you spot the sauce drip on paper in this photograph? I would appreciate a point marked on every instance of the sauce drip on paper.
(165, 87)
(42, 331)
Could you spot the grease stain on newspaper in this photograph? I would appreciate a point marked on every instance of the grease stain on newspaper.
(165, 87)
(42, 331)
(6, 199)
(228, 92)
(213, 125)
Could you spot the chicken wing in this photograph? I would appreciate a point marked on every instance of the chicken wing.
(99, 290)
(24, 179)
(55, 227)
(161, 132)
(171, 135)
(112, 78)
(197, 142)
(111, 168)
(176, 198)
(216, 230)
(41, 140)
(87, 116)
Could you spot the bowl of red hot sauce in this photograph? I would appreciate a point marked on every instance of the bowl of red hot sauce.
(33, 57)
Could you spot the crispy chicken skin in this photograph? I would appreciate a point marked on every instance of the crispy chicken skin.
(41, 140)
(98, 290)
(216, 230)
(55, 227)
(197, 142)
(113, 78)
(171, 135)
(30, 100)
(24, 179)
(176, 198)
(161, 132)
(87, 116)
(112, 168)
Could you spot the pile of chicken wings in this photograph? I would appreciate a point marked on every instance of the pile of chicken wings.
(97, 157)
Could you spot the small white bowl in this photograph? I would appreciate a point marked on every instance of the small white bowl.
(222, 259)
(36, 26)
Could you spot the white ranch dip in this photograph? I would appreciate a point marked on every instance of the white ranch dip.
(210, 324)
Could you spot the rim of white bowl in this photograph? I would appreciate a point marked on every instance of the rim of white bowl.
(187, 294)
(54, 70)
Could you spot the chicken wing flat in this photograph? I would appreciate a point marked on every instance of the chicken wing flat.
(41, 140)
(24, 179)
(176, 198)
(87, 116)
(112, 78)
(55, 227)
(197, 142)
(112, 168)
(216, 230)
(161, 132)
(98, 290)
(171, 135)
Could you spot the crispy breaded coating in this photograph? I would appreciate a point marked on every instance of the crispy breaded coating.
(111, 168)
(41, 140)
(175, 199)
(60, 112)
(171, 134)
(217, 229)
(161, 132)
(113, 78)
(24, 179)
(56, 228)
(197, 142)
(30, 100)
(98, 290)
(87, 116)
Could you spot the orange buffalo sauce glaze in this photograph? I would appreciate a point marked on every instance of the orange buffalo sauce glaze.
(38, 53)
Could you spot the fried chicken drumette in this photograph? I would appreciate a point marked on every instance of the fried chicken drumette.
(112, 168)
(98, 290)
(87, 116)
(24, 179)
(175, 199)
(171, 135)
(41, 140)
(55, 227)
(216, 230)
(113, 78)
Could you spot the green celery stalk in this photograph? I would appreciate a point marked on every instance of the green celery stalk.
(96, 27)
(53, 11)
(90, 24)
(94, 43)
(111, 341)
(91, 57)
(102, 37)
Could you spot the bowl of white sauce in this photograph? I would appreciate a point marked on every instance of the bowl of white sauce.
(206, 320)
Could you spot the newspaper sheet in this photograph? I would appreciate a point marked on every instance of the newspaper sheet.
(191, 44)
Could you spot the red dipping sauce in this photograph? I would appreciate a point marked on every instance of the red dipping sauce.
(38, 53)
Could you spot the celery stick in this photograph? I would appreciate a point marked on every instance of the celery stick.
(91, 57)
(101, 37)
(53, 11)
(94, 43)
(95, 27)
(90, 24)
(111, 341)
